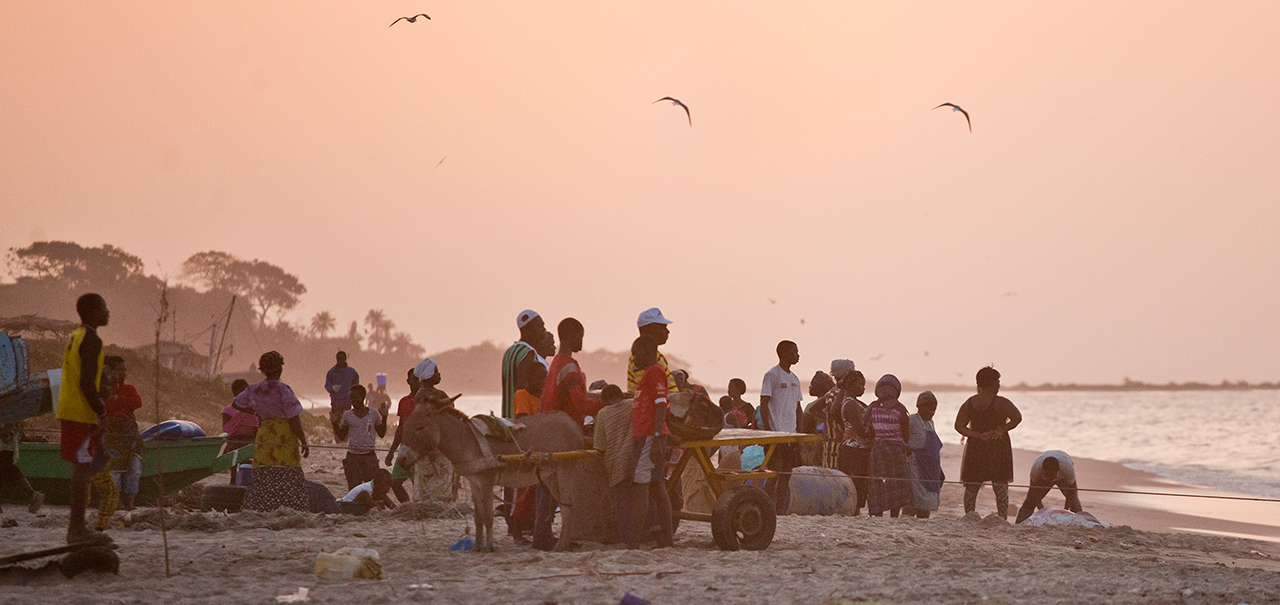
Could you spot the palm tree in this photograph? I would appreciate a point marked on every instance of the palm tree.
(322, 324)
(380, 328)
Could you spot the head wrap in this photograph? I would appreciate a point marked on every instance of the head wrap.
(927, 397)
(841, 368)
(425, 369)
(525, 317)
(821, 382)
(271, 360)
(888, 388)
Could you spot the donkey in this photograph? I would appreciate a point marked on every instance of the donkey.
(432, 431)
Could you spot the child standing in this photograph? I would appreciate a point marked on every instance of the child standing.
(360, 427)
(649, 440)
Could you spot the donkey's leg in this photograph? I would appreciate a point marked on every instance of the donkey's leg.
(479, 504)
(562, 491)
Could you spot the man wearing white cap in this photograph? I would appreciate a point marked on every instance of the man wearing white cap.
(533, 332)
(651, 323)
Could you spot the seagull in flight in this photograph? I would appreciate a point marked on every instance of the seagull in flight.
(677, 102)
(955, 107)
(441, 161)
(413, 19)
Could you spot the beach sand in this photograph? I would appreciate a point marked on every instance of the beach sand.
(253, 558)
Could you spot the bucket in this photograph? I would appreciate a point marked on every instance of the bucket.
(382, 380)
(244, 474)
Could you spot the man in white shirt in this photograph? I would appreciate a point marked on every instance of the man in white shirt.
(1052, 469)
(780, 396)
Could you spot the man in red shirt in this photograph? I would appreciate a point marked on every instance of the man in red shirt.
(403, 411)
(566, 386)
(649, 434)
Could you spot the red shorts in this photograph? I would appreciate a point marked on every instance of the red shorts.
(78, 444)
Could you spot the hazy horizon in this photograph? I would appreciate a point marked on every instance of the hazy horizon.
(1113, 213)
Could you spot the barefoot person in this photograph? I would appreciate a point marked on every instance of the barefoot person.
(403, 410)
(855, 448)
(925, 463)
(649, 443)
(280, 445)
(889, 429)
(121, 434)
(80, 409)
(985, 420)
(11, 476)
(1053, 468)
(651, 323)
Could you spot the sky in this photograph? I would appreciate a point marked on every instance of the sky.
(1113, 213)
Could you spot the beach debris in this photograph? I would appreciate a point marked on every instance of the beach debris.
(348, 563)
(1261, 554)
(1062, 516)
(9, 522)
(463, 544)
(630, 599)
(422, 586)
(297, 597)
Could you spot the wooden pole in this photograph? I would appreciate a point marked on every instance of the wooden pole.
(164, 531)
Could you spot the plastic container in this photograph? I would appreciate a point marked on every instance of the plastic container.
(244, 474)
(170, 430)
(382, 380)
(348, 563)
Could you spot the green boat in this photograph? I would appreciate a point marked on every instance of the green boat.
(184, 461)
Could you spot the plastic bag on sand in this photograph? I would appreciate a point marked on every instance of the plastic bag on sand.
(1062, 516)
(347, 563)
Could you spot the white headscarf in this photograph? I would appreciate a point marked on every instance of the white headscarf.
(425, 369)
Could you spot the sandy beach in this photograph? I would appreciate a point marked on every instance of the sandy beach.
(253, 557)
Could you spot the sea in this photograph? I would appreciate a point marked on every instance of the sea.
(1225, 440)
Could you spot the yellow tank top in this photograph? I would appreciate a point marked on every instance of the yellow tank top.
(72, 404)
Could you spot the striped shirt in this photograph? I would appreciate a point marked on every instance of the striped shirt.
(634, 374)
(886, 420)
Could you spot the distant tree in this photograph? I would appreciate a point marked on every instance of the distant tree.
(73, 265)
(322, 324)
(353, 332)
(380, 329)
(268, 287)
(402, 344)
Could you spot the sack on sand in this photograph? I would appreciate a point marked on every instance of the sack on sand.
(1062, 516)
(817, 490)
(693, 417)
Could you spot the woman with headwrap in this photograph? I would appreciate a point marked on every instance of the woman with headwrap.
(925, 463)
(833, 428)
(889, 428)
(855, 448)
(277, 466)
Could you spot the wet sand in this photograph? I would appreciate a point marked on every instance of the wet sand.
(252, 558)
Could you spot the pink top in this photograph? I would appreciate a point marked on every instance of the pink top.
(241, 423)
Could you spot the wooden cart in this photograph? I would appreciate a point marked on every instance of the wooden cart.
(743, 517)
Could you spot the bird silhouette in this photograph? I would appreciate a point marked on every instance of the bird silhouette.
(441, 161)
(955, 107)
(772, 301)
(675, 101)
(413, 19)
(877, 357)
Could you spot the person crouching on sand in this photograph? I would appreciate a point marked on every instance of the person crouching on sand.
(373, 493)
(1053, 468)
(649, 440)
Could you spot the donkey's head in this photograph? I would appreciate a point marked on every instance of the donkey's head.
(421, 436)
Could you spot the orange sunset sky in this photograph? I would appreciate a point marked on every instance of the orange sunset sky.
(1113, 213)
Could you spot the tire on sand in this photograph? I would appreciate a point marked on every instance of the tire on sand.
(743, 519)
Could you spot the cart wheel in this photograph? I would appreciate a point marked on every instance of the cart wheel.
(222, 498)
(743, 519)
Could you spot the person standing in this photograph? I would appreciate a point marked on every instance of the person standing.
(651, 323)
(378, 397)
(404, 409)
(855, 448)
(780, 396)
(565, 389)
(360, 427)
(890, 428)
(1053, 468)
(925, 463)
(520, 355)
(832, 423)
(338, 382)
(81, 411)
(120, 435)
(985, 420)
(11, 476)
(280, 444)
(649, 442)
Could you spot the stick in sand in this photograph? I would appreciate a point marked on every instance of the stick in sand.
(164, 531)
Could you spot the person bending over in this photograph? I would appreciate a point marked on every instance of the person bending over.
(1052, 469)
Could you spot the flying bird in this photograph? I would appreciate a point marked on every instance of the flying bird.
(677, 102)
(413, 19)
(955, 107)
(877, 357)
(441, 161)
